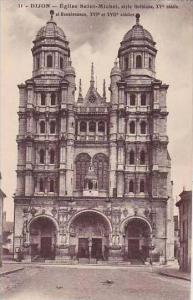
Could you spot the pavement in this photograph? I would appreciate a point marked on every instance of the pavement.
(170, 270)
(85, 282)
(8, 268)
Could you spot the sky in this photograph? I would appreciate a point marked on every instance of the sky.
(97, 39)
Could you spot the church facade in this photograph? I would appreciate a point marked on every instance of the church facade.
(93, 176)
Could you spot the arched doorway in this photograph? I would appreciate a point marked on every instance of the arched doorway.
(42, 238)
(89, 233)
(137, 239)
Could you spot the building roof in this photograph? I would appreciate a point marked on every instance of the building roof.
(51, 30)
(137, 32)
(185, 196)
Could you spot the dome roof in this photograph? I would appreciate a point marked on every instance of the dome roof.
(51, 30)
(137, 32)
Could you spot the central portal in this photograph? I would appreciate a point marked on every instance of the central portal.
(89, 233)
(83, 248)
(96, 249)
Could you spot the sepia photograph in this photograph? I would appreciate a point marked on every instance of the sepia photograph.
(96, 149)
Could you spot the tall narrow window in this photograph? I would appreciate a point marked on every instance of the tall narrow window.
(53, 99)
(61, 63)
(143, 127)
(38, 62)
(150, 63)
(49, 61)
(42, 127)
(52, 186)
(126, 61)
(82, 167)
(132, 127)
(101, 167)
(142, 157)
(83, 126)
(43, 99)
(131, 157)
(143, 99)
(52, 127)
(42, 156)
(52, 156)
(138, 62)
(142, 186)
(101, 126)
(131, 186)
(92, 126)
(41, 185)
(132, 100)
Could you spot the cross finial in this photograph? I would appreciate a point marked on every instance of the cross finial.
(92, 75)
(80, 89)
(51, 14)
(137, 18)
(104, 89)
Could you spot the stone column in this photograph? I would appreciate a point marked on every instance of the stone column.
(113, 167)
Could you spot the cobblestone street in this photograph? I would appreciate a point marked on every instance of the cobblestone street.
(90, 283)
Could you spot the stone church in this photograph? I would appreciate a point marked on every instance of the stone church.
(93, 176)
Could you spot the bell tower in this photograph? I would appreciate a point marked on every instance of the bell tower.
(137, 52)
(51, 52)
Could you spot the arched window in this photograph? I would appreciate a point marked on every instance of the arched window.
(143, 127)
(126, 62)
(101, 167)
(142, 186)
(131, 186)
(53, 99)
(132, 127)
(82, 167)
(52, 156)
(101, 126)
(142, 157)
(49, 61)
(132, 100)
(42, 156)
(42, 127)
(52, 127)
(143, 99)
(138, 62)
(61, 63)
(92, 126)
(150, 63)
(41, 185)
(90, 185)
(131, 157)
(83, 126)
(52, 186)
(43, 99)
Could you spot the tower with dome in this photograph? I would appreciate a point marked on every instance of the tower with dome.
(93, 176)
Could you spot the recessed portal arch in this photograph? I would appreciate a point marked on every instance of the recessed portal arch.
(136, 233)
(89, 233)
(43, 237)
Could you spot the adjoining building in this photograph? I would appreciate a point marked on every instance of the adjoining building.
(185, 227)
(176, 236)
(93, 176)
(7, 236)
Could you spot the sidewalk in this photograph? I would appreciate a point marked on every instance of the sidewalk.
(10, 268)
(173, 271)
